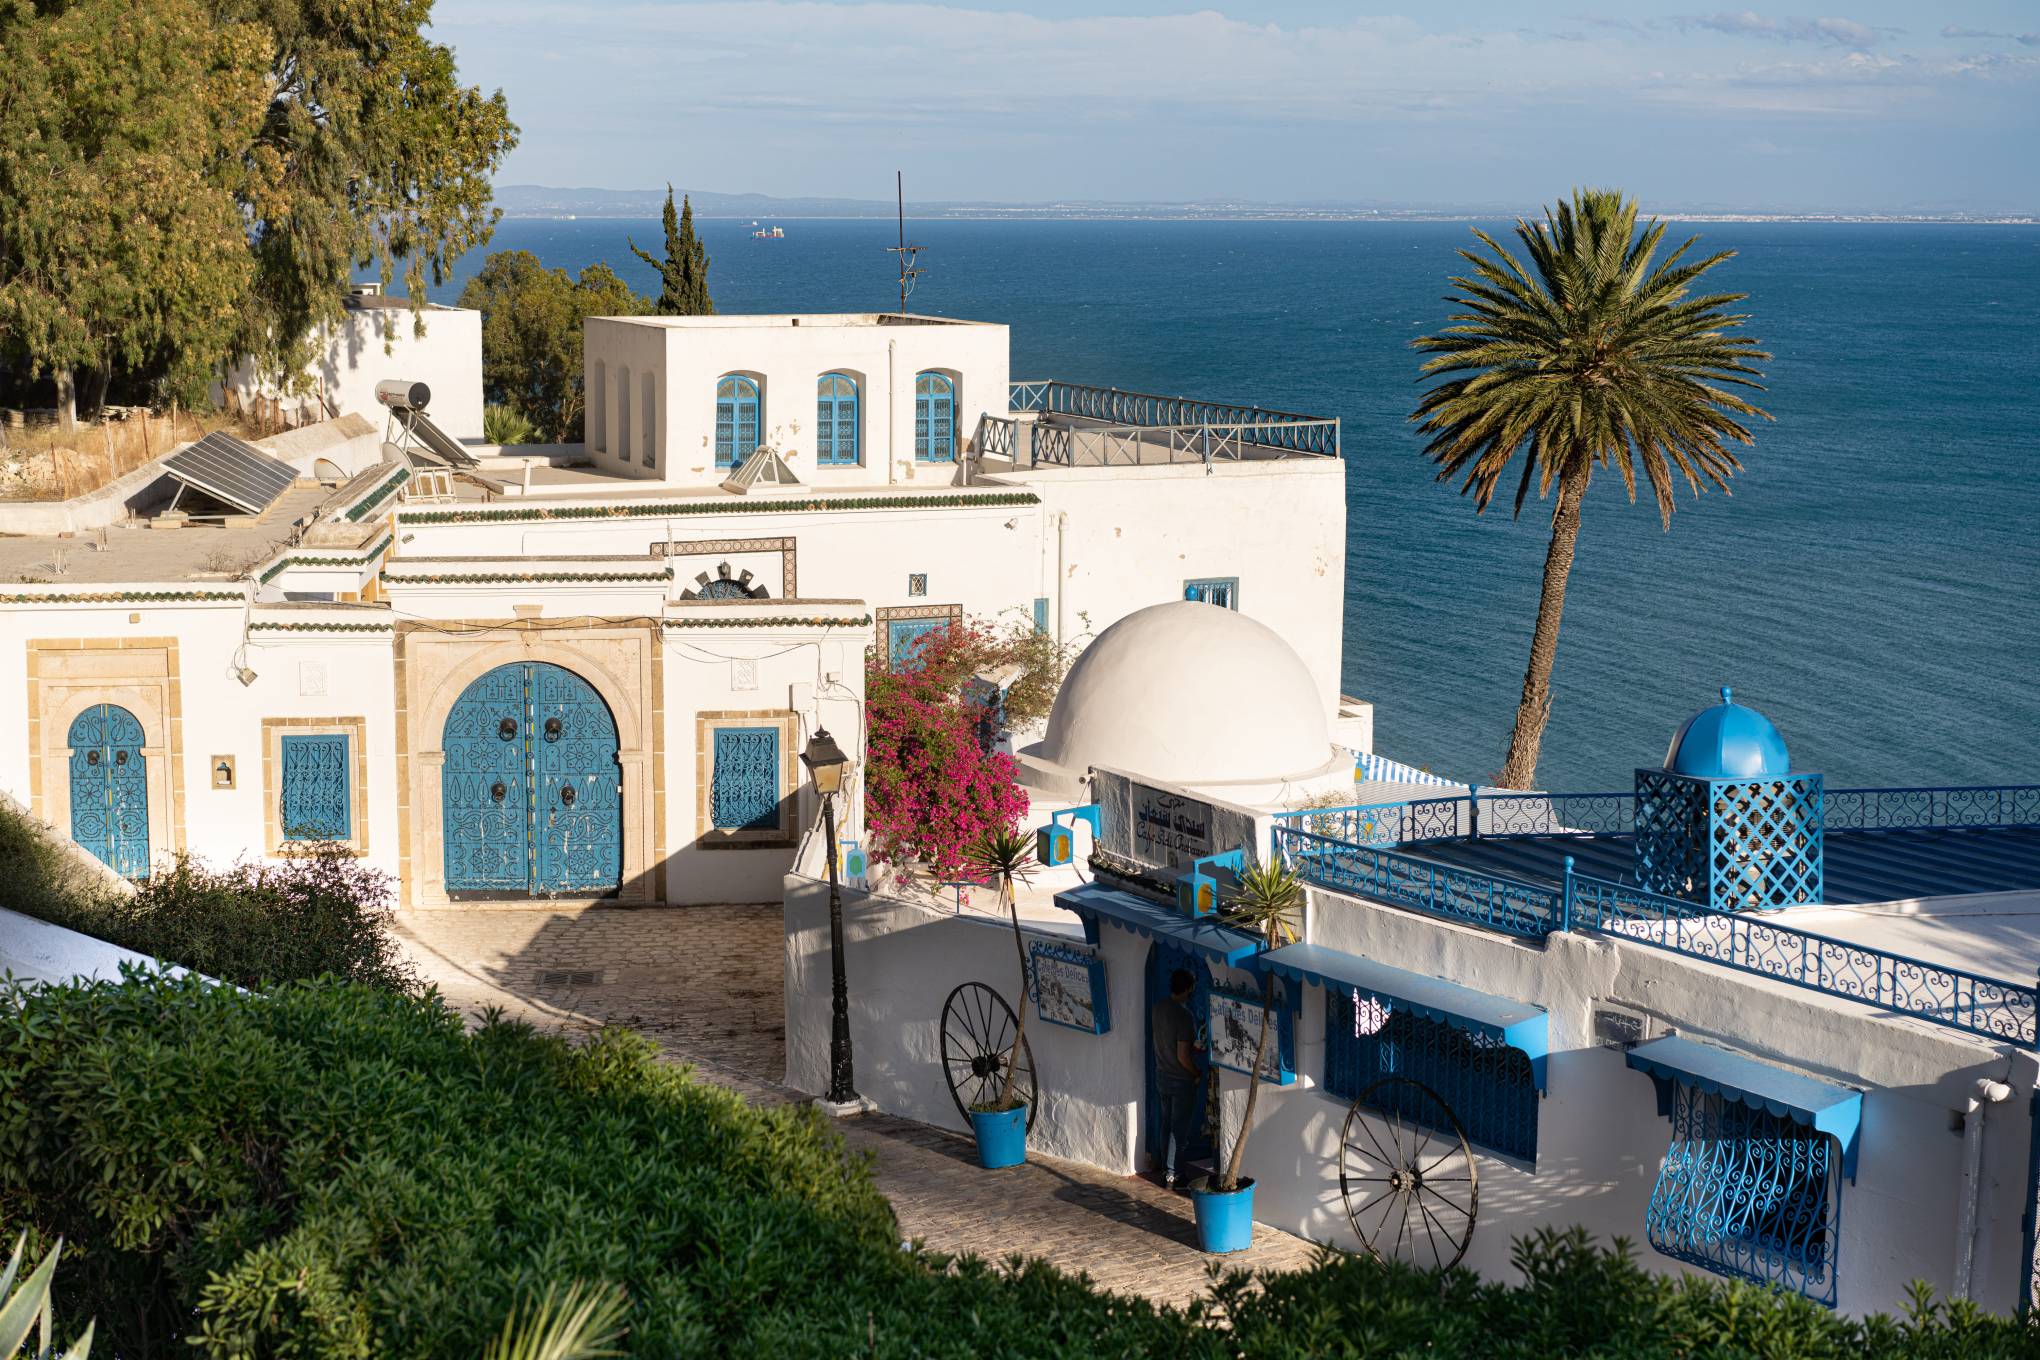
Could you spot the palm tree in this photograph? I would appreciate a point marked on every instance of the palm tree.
(1594, 354)
(1006, 857)
(1266, 900)
(583, 1323)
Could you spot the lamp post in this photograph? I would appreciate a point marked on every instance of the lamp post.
(827, 766)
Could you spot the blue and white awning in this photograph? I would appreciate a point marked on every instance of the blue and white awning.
(1130, 911)
(1820, 1105)
(1498, 1019)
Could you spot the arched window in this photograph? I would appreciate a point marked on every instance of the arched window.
(835, 418)
(934, 418)
(739, 415)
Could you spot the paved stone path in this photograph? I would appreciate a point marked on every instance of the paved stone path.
(705, 982)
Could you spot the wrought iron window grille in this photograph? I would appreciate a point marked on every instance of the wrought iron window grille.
(1486, 1083)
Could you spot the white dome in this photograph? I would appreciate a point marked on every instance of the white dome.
(1190, 693)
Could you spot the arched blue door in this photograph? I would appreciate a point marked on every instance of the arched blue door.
(110, 789)
(531, 804)
(1162, 961)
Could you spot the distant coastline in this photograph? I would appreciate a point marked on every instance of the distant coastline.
(539, 202)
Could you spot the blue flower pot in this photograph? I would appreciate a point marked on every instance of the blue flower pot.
(1001, 1136)
(1224, 1222)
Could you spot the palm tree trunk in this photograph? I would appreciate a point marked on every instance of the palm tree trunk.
(1519, 771)
(1231, 1180)
(1020, 1030)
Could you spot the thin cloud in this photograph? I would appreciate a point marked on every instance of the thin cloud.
(1750, 24)
(2023, 39)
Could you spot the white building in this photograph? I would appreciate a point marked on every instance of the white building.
(1756, 1026)
(539, 679)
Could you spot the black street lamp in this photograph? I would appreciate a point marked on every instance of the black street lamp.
(827, 766)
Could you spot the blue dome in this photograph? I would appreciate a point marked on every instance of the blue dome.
(1728, 741)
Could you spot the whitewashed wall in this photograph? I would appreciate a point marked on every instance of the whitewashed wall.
(371, 344)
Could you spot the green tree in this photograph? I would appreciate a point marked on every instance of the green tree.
(120, 248)
(1594, 354)
(683, 273)
(532, 334)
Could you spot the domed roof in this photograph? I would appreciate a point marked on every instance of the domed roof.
(1728, 741)
(1189, 693)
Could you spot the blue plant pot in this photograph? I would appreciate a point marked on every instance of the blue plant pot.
(1224, 1222)
(1001, 1136)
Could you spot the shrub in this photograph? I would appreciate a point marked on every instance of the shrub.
(931, 791)
(321, 912)
(332, 1170)
(507, 425)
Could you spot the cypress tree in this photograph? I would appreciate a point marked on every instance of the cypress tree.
(684, 272)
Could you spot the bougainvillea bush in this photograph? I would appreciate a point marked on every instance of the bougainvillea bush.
(931, 790)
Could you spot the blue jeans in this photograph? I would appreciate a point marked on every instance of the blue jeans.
(1180, 1108)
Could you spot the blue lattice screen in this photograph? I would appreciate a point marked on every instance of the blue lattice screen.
(315, 792)
(1750, 1194)
(737, 420)
(934, 419)
(1734, 844)
(1486, 1084)
(743, 790)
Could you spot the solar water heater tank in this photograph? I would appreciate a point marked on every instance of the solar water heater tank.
(403, 394)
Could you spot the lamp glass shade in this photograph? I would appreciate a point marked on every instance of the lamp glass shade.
(826, 762)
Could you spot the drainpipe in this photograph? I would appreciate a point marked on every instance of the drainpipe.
(1987, 1093)
(1062, 523)
(890, 399)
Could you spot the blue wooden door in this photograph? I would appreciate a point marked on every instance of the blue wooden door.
(516, 741)
(1162, 961)
(110, 789)
(578, 805)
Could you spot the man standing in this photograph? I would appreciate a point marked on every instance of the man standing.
(1176, 1078)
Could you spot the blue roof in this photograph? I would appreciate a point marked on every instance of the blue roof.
(1515, 1023)
(1144, 916)
(1823, 1105)
(1728, 741)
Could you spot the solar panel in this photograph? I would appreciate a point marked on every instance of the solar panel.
(229, 470)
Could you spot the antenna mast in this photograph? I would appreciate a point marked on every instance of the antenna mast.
(907, 253)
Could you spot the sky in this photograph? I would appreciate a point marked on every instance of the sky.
(1873, 106)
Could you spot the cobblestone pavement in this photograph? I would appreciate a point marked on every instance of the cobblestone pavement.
(706, 983)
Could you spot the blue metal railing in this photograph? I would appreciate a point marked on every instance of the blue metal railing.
(1953, 806)
(1530, 910)
(1377, 824)
(1947, 996)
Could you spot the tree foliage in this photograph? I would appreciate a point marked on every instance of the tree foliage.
(183, 183)
(532, 335)
(683, 273)
(1595, 354)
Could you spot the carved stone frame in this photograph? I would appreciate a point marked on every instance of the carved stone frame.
(274, 730)
(66, 676)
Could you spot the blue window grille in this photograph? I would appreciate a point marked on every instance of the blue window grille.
(836, 419)
(723, 588)
(1041, 613)
(739, 414)
(934, 418)
(1219, 590)
(743, 788)
(1750, 1194)
(315, 793)
(1487, 1084)
(903, 637)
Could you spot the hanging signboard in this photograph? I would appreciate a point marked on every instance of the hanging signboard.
(1236, 1031)
(1069, 986)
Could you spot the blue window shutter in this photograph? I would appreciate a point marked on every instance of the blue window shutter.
(902, 636)
(934, 418)
(743, 790)
(836, 419)
(1041, 613)
(316, 788)
(738, 419)
(1223, 591)
(1490, 1087)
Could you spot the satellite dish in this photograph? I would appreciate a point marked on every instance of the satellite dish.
(327, 473)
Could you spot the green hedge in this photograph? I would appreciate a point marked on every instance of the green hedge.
(330, 1170)
(321, 913)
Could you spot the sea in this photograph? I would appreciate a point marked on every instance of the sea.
(1873, 583)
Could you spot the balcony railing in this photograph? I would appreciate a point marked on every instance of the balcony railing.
(1139, 427)
(1764, 946)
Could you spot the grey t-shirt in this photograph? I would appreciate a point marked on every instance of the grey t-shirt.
(1172, 1027)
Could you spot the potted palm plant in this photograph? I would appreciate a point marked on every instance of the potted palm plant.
(1004, 857)
(1266, 899)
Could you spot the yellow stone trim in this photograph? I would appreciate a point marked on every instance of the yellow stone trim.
(712, 837)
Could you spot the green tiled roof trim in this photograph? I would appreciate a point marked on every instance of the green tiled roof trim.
(381, 493)
(260, 627)
(524, 577)
(669, 509)
(779, 621)
(284, 564)
(131, 597)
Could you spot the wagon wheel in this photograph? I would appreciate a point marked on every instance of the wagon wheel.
(977, 1034)
(1408, 1178)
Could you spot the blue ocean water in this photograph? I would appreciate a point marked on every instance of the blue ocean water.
(1871, 584)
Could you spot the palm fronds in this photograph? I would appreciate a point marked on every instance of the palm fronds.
(28, 1309)
(582, 1323)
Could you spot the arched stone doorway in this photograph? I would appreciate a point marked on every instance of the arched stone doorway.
(531, 801)
(110, 788)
